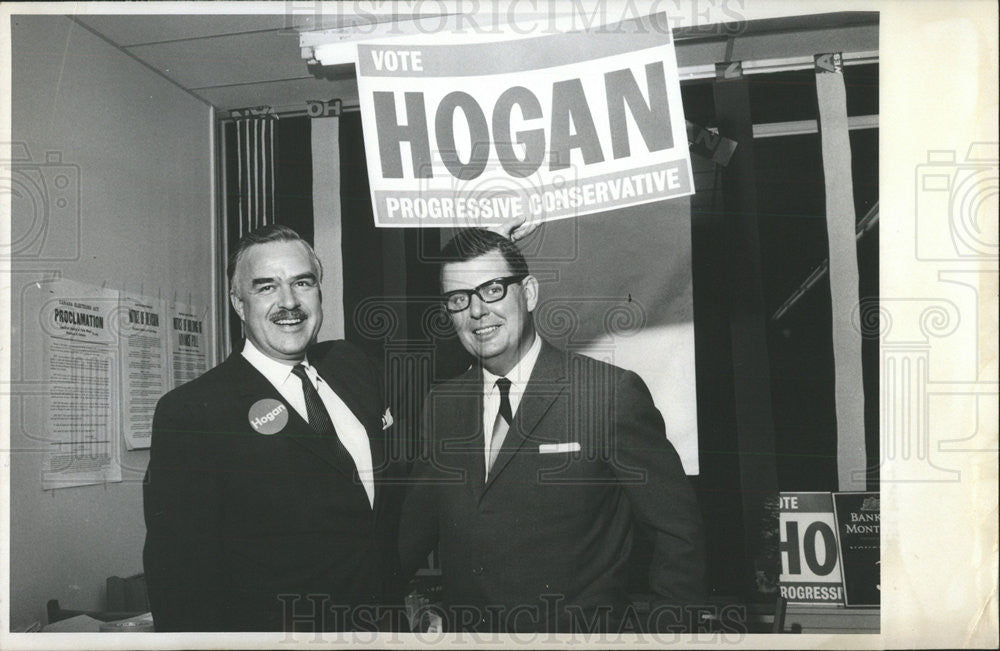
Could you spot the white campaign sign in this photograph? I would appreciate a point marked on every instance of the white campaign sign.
(809, 550)
(548, 127)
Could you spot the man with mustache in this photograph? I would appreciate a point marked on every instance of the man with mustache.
(268, 499)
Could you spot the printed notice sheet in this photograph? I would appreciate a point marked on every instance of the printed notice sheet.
(187, 343)
(144, 368)
(81, 367)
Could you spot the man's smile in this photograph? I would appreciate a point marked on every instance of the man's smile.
(289, 318)
(484, 332)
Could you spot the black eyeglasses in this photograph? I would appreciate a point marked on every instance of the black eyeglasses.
(489, 292)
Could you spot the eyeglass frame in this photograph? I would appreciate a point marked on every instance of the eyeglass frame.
(503, 281)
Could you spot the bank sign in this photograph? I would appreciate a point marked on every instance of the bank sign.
(461, 133)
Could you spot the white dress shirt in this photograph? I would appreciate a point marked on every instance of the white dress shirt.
(349, 429)
(518, 376)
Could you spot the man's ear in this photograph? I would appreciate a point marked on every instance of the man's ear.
(237, 304)
(530, 286)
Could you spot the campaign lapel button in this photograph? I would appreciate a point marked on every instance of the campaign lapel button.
(268, 416)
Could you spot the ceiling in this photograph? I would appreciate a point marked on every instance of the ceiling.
(242, 61)
(231, 61)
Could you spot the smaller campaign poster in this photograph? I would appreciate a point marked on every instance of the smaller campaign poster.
(858, 520)
(810, 561)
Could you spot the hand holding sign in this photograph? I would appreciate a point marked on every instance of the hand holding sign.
(517, 228)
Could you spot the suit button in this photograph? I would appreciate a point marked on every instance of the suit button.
(477, 571)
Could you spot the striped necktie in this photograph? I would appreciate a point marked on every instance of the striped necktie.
(319, 417)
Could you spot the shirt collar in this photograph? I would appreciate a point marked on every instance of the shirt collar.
(521, 373)
(275, 371)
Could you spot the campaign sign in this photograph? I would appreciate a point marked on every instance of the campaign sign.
(858, 520)
(810, 562)
(462, 132)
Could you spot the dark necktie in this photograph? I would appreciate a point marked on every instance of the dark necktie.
(502, 422)
(504, 385)
(319, 418)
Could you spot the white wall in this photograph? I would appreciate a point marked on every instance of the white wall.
(142, 148)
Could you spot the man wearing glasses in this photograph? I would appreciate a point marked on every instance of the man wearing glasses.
(537, 465)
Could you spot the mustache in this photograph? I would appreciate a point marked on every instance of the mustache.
(294, 313)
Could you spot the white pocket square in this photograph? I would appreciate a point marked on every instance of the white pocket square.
(553, 448)
(386, 419)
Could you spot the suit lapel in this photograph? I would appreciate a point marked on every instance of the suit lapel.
(473, 422)
(544, 386)
(458, 411)
(455, 414)
(358, 396)
(380, 466)
(252, 386)
(353, 393)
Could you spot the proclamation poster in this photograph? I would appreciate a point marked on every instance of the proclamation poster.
(81, 364)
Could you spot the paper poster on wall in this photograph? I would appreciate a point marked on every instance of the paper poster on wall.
(469, 130)
(145, 370)
(186, 343)
(81, 369)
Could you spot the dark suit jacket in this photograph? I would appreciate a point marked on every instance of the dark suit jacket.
(544, 543)
(248, 531)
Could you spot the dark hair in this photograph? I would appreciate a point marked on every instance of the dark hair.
(263, 235)
(474, 242)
